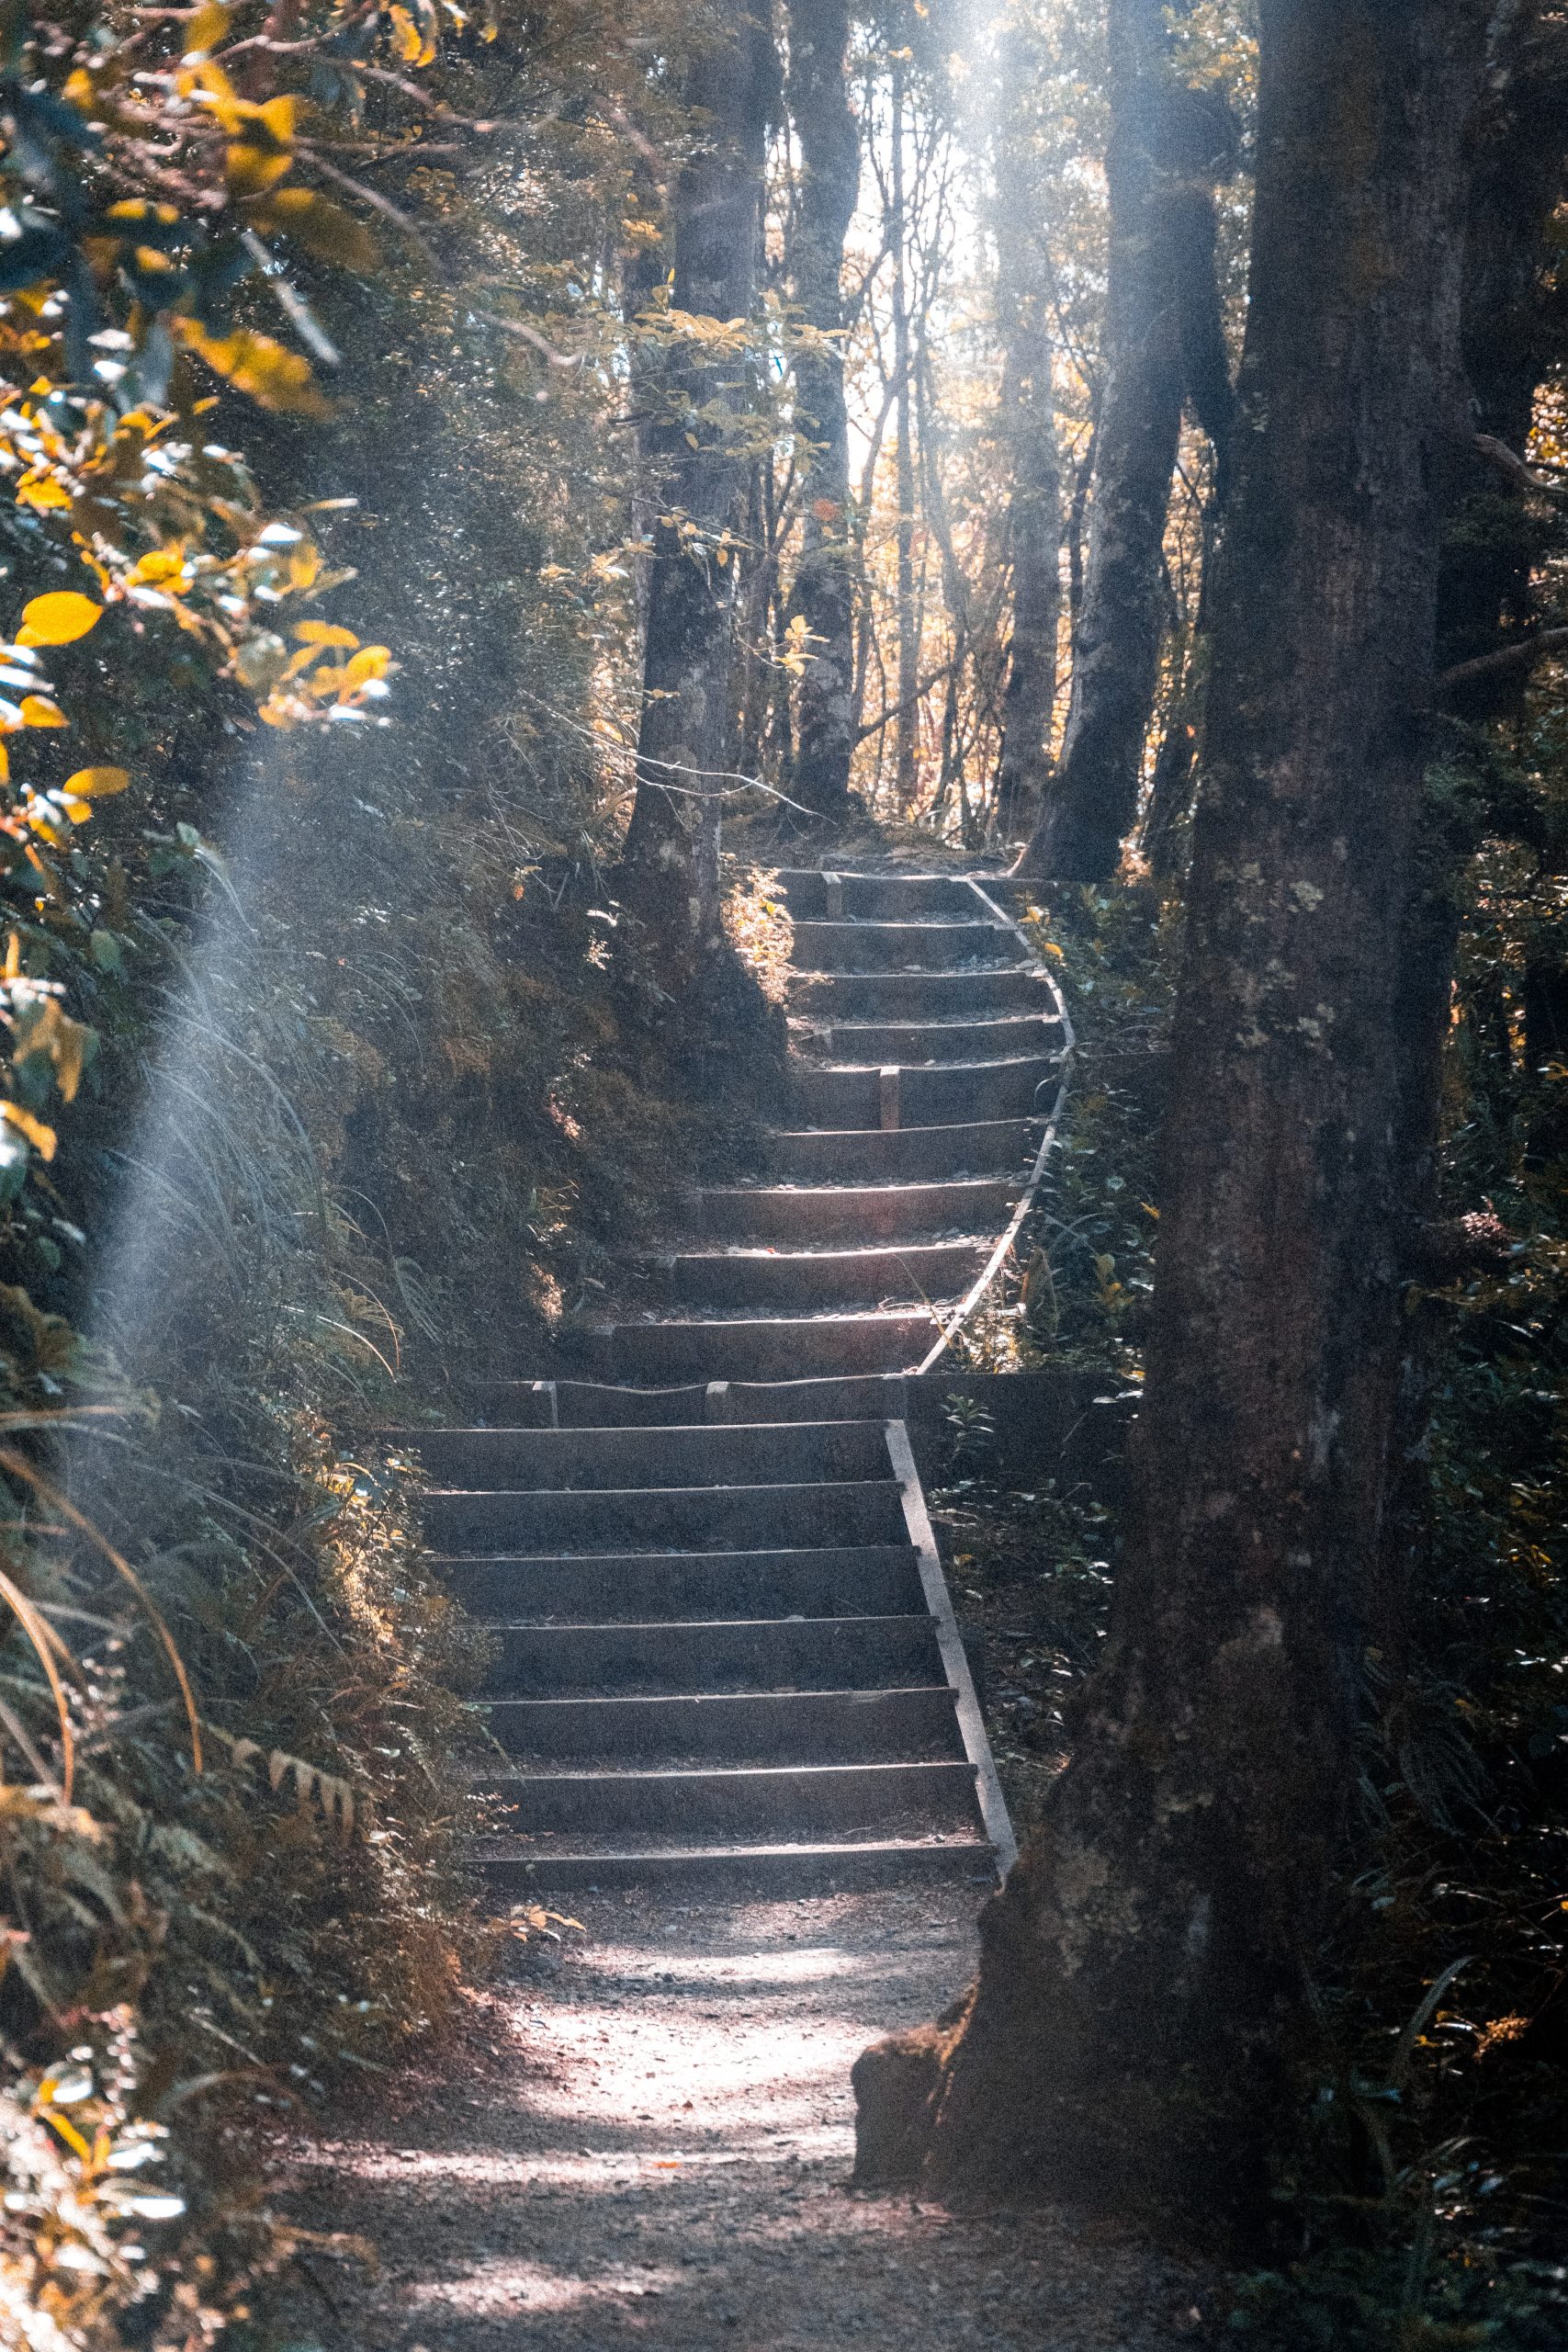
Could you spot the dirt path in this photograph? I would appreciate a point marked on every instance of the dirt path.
(647, 2137)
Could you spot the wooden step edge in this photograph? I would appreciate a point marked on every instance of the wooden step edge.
(781, 1487)
(703, 1624)
(824, 1867)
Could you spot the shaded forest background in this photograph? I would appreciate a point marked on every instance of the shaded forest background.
(337, 345)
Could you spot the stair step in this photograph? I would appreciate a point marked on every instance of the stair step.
(920, 1154)
(885, 897)
(678, 1519)
(597, 1404)
(859, 1211)
(791, 1727)
(653, 1588)
(928, 1097)
(919, 996)
(700, 1455)
(760, 1347)
(518, 1867)
(783, 1801)
(820, 1278)
(913, 1044)
(756, 1655)
(964, 944)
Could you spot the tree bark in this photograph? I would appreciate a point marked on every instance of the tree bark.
(1034, 531)
(828, 133)
(669, 872)
(1491, 542)
(908, 724)
(1144, 1980)
(1168, 146)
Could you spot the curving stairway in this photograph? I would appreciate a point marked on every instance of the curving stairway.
(726, 1645)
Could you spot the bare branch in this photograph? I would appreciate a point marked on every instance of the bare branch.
(1521, 656)
(1488, 445)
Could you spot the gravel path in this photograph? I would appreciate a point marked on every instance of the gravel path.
(645, 2138)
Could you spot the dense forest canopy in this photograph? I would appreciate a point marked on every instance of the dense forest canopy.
(481, 492)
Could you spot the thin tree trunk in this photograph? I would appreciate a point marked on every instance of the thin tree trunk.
(670, 876)
(824, 584)
(1176, 765)
(906, 738)
(1034, 544)
(1144, 1980)
(1167, 144)
(1028, 421)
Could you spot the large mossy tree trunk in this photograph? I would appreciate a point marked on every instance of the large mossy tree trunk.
(828, 134)
(698, 445)
(1167, 145)
(1143, 1987)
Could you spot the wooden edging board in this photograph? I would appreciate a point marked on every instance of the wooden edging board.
(950, 1643)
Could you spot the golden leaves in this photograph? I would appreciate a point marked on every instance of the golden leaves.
(41, 1026)
(206, 28)
(318, 224)
(96, 783)
(273, 376)
(42, 1139)
(58, 619)
(414, 47)
(307, 685)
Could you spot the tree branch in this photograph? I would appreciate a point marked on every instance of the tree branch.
(1522, 655)
(1504, 459)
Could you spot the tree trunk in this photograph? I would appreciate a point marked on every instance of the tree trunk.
(1166, 147)
(1492, 543)
(824, 584)
(1035, 538)
(906, 729)
(670, 874)
(1145, 1974)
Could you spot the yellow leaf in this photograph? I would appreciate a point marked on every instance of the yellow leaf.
(58, 619)
(67, 2131)
(96, 783)
(413, 47)
(278, 115)
(322, 226)
(253, 363)
(39, 711)
(43, 491)
(325, 633)
(250, 169)
(141, 208)
(162, 564)
(42, 1139)
(231, 109)
(371, 662)
(207, 28)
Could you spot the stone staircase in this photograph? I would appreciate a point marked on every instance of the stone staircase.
(726, 1646)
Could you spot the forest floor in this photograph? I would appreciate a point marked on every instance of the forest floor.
(645, 2137)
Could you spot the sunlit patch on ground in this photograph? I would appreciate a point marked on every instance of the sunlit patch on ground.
(651, 2143)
